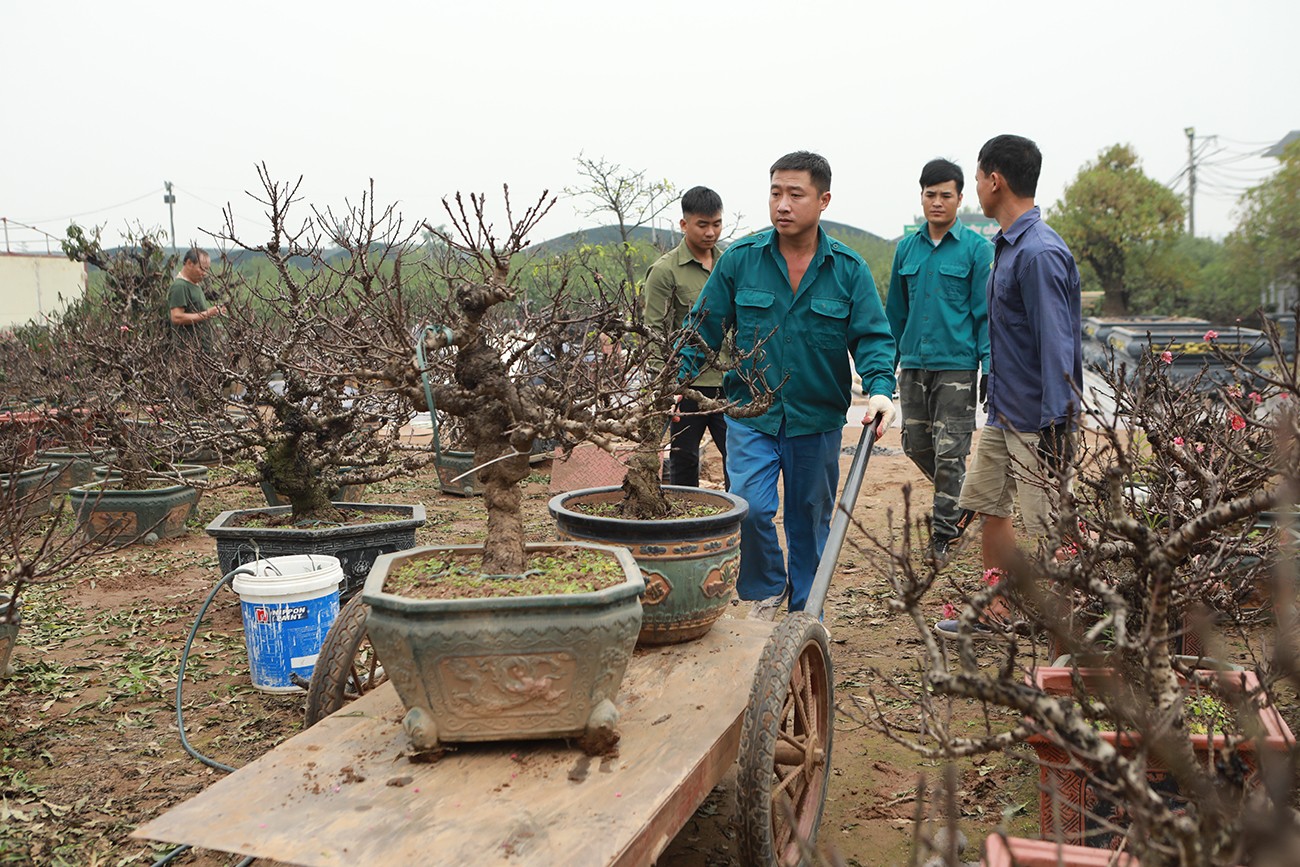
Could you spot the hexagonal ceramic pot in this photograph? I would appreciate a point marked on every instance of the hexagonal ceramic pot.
(505, 668)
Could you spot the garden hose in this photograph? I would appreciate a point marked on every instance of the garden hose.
(446, 333)
(180, 676)
(180, 718)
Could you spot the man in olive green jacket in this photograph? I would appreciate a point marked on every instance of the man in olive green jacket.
(673, 283)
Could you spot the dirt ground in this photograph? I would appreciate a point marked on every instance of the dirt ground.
(90, 747)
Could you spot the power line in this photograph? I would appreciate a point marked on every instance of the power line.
(221, 208)
(1262, 145)
(100, 210)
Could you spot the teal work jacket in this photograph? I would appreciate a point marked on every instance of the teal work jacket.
(804, 339)
(938, 300)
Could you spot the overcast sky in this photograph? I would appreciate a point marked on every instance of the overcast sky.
(105, 101)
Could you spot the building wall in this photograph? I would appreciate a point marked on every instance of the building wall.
(37, 286)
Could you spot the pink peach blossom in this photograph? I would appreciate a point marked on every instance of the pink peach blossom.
(1237, 422)
(1211, 334)
(1167, 357)
(1178, 441)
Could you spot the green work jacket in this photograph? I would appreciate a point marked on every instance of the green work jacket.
(672, 284)
(938, 300)
(804, 338)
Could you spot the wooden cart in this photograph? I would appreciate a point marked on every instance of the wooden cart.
(345, 791)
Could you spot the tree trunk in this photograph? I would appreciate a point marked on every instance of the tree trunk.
(503, 550)
(643, 496)
(291, 475)
(1115, 297)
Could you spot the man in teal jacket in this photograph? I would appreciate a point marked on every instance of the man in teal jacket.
(938, 312)
(800, 304)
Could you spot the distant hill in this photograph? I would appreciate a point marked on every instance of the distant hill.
(605, 236)
(851, 235)
(878, 251)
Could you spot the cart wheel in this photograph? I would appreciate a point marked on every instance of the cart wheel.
(785, 744)
(347, 666)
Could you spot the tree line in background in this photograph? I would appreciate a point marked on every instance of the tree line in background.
(1127, 232)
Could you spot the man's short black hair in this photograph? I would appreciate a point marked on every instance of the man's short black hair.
(1017, 159)
(194, 255)
(806, 161)
(940, 171)
(701, 201)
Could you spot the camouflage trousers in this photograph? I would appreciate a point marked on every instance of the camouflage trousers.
(938, 419)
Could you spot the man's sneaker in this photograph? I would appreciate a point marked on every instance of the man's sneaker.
(950, 629)
(766, 609)
(938, 550)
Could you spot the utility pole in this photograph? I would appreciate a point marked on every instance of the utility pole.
(1191, 180)
(170, 201)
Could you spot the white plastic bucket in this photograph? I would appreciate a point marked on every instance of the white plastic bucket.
(289, 604)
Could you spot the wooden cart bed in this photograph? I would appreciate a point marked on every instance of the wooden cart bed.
(344, 792)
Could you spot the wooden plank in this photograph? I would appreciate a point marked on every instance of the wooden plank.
(344, 793)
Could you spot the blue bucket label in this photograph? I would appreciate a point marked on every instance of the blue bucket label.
(285, 638)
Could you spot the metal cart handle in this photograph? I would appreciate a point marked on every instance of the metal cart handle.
(840, 520)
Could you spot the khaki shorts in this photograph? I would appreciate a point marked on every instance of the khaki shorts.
(1007, 469)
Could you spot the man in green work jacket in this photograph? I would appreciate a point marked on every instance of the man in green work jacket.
(938, 311)
(800, 304)
(673, 283)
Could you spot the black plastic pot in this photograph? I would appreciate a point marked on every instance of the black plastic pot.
(356, 545)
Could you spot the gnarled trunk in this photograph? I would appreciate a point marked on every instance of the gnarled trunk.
(643, 496)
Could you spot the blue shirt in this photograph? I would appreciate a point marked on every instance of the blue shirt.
(937, 305)
(1034, 327)
(805, 338)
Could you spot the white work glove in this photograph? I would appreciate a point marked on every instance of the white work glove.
(883, 406)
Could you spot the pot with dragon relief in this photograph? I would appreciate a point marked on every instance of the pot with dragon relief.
(490, 669)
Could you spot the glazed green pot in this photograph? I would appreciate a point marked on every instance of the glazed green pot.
(344, 494)
(689, 564)
(452, 463)
(75, 468)
(120, 516)
(33, 487)
(505, 668)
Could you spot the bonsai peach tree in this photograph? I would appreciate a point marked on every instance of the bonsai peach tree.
(1120, 581)
(573, 364)
(319, 325)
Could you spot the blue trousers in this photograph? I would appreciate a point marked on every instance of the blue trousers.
(809, 468)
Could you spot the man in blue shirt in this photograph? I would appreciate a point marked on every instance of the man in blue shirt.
(799, 304)
(938, 312)
(1035, 353)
